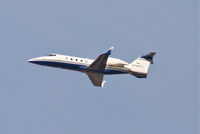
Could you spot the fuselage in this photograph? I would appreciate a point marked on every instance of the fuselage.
(95, 69)
(113, 66)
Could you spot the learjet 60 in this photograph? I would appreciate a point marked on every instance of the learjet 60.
(102, 65)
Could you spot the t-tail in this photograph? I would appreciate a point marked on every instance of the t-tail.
(139, 67)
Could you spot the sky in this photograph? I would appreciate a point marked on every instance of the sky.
(42, 100)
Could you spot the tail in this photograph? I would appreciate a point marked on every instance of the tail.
(140, 66)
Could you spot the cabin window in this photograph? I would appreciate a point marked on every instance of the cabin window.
(71, 58)
(81, 60)
(52, 55)
(76, 59)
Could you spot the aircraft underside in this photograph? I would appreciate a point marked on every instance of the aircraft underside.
(75, 67)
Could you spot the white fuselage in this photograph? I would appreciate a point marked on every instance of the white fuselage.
(113, 65)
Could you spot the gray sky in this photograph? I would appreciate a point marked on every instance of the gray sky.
(42, 100)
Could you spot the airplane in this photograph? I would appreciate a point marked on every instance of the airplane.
(102, 65)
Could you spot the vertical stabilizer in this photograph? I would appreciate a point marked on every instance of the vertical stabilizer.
(140, 66)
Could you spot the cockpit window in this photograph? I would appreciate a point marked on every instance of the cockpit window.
(52, 55)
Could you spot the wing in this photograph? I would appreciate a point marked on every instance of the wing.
(100, 63)
(96, 79)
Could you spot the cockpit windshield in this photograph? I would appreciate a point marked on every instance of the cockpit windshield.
(52, 55)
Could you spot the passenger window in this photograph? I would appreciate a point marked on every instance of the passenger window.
(76, 59)
(81, 60)
(71, 58)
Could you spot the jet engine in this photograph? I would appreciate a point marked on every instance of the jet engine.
(114, 62)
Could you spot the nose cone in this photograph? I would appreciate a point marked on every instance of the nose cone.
(35, 60)
(38, 60)
(31, 60)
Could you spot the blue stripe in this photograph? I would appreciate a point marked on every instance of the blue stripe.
(75, 67)
(109, 71)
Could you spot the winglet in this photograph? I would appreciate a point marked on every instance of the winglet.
(103, 83)
(109, 51)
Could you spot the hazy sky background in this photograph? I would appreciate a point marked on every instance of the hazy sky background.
(42, 100)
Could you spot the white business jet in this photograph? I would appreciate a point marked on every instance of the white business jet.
(95, 69)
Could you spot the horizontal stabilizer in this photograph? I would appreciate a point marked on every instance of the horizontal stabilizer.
(149, 57)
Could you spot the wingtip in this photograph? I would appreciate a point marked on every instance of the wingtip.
(111, 48)
(103, 83)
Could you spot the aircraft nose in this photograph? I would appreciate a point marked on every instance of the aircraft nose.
(36, 60)
(32, 60)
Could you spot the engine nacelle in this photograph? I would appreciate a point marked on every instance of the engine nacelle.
(114, 62)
